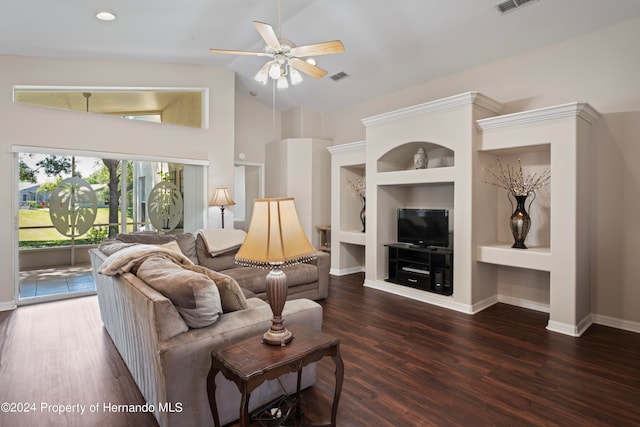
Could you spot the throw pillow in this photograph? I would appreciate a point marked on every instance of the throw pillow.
(231, 294)
(195, 296)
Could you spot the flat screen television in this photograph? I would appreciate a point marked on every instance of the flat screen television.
(423, 227)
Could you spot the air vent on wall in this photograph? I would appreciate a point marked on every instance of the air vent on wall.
(511, 5)
(339, 76)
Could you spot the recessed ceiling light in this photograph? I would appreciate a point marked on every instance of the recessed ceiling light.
(105, 16)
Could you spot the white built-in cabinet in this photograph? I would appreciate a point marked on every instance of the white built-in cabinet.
(556, 138)
(299, 167)
(463, 135)
(347, 234)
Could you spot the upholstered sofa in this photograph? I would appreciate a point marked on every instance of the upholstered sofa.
(305, 280)
(168, 359)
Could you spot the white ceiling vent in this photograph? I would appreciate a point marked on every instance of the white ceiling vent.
(339, 76)
(511, 5)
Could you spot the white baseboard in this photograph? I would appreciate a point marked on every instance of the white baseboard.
(485, 303)
(581, 327)
(417, 294)
(613, 322)
(447, 302)
(567, 329)
(345, 271)
(8, 305)
(519, 302)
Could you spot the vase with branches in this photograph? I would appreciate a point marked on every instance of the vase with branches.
(520, 186)
(359, 186)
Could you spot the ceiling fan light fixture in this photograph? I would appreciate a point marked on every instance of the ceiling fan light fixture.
(295, 76)
(262, 76)
(286, 56)
(282, 83)
(275, 72)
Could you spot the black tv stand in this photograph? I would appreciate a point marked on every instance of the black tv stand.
(429, 269)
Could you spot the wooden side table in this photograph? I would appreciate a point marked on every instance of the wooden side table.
(249, 363)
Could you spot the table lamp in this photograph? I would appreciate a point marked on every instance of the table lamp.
(222, 199)
(275, 240)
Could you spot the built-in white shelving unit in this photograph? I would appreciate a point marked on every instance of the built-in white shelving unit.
(463, 136)
(446, 130)
(536, 258)
(557, 138)
(347, 236)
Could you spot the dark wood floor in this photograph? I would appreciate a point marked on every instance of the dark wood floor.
(407, 363)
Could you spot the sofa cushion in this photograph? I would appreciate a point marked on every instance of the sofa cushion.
(186, 241)
(231, 295)
(195, 296)
(254, 279)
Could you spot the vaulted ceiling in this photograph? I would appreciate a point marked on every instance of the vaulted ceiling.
(388, 45)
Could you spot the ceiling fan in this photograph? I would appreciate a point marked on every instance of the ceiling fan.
(286, 57)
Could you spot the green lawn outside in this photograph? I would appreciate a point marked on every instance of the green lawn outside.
(44, 237)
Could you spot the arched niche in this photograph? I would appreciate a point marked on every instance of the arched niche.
(400, 158)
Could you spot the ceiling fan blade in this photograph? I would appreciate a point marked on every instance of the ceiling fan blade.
(324, 48)
(237, 52)
(307, 68)
(267, 33)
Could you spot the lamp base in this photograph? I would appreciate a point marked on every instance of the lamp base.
(281, 338)
(277, 297)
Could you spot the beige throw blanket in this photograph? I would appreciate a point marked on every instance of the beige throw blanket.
(221, 240)
(127, 257)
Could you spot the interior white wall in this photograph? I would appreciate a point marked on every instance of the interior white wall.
(255, 126)
(301, 168)
(43, 127)
(599, 68)
(301, 122)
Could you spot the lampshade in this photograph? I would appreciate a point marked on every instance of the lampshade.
(282, 83)
(222, 198)
(275, 71)
(295, 76)
(275, 236)
(262, 76)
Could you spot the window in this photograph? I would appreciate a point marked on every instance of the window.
(176, 106)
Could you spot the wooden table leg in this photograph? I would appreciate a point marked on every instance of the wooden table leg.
(211, 393)
(244, 408)
(298, 397)
(337, 359)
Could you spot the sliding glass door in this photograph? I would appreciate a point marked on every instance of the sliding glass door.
(70, 203)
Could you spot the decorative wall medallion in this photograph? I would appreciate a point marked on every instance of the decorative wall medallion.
(165, 206)
(73, 207)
